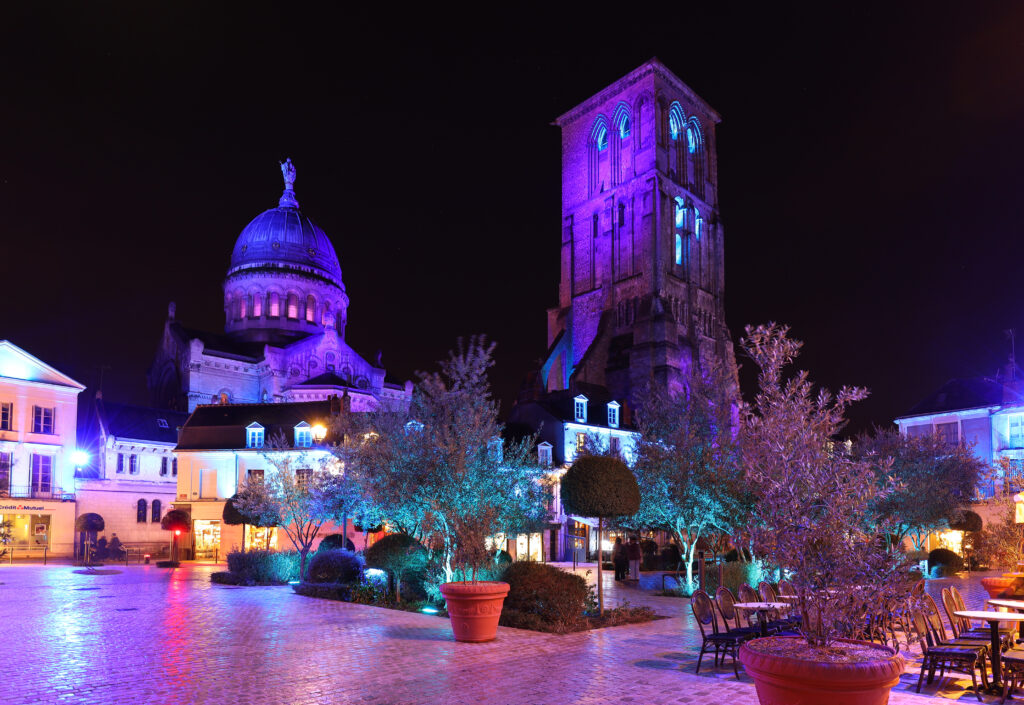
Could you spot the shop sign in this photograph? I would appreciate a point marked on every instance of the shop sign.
(22, 507)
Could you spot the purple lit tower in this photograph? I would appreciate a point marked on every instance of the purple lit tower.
(642, 275)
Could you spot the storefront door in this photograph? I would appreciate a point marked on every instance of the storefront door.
(207, 538)
(29, 530)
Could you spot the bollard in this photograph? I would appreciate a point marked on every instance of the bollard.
(700, 569)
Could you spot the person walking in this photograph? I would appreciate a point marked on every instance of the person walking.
(634, 555)
(619, 559)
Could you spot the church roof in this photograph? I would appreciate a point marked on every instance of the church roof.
(219, 343)
(222, 426)
(140, 423)
(283, 238)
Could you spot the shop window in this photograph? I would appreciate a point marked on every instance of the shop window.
(42, 474)
(155, 514)
(6, 417)
(140, 511)
(42, 420)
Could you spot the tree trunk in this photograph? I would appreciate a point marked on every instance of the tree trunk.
(302, 564)
(600, 582)
(344, 532)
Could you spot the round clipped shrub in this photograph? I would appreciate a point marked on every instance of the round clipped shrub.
(399, 555)
(334, 541)
(942, 562)
(600, 486)
(551, 595)
(335, 566)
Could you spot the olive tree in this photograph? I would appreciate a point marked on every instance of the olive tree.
(602, 487)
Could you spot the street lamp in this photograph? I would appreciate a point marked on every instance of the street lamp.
(319, 433)
(79, 458)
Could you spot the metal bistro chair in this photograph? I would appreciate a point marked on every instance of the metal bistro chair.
(780, 621)
(726, 601)
(961, 657)
(938, 630)
(725, 643)
(1007, 633)
(1012, 671)
(962, 627)
(749, 594)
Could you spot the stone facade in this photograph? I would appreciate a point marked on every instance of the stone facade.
(642, 243)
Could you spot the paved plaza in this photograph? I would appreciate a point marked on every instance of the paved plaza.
(150, 635)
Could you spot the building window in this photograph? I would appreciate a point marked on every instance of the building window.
(133, 464)
(274, 304)
(155, 514)
(580, 409)
(254, 475)
(42, 473)
(679, 249)
(257, 306)
(947, 433)
(544, 454)
(302, 476)
(42, 420)
(310, 308)
(243, 307)
(622, 215)
(162, 423)
(140, 512)
(614, 445)
(698, 227)
(163, 466)
(293, 307)
(303, 435)
(254, 436)
(613, 414)
(5, 474)
(6, 417)
(602, 138)
(174, 467)
(680, 213)
(581, 441)
(1016, 435)
(120, 462)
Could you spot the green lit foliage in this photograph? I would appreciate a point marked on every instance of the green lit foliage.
(440, 471)
(814, 514)
(930, 481)
(544, 594)
(335, 566)
(691, 483)
(398, 555)
(601, 487)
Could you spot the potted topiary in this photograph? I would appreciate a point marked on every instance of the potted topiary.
(602, 487)
(177, 521)
(813, 522)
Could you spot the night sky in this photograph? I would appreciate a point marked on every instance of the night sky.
(869, 162)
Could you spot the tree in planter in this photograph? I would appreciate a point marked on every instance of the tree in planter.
(814, 517)
(300, 494)
(603, 487)
(932, 481)
(691, 484)
(440, 470)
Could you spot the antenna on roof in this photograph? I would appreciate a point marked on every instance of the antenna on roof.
(1010, 333)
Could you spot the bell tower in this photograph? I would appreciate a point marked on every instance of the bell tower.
(642, 262)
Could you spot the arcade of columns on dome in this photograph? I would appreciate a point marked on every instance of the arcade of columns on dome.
(285, 311)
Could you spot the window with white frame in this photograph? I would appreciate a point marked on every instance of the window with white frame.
(581, 441)
(544, 454)
(580, 409)
(140, 511)
(254, 435)
(613, 414)
(254, 475)
(302, 476)
(133, 464)
(161, 423)
(5, 474)
(303, 435)
(42, 419)
(42, 473)
(6, 416)
(163, 466)
(156, 511)
(1016, 434)
(947, 433)
(120, 462)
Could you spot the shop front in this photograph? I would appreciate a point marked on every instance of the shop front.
(39, 525)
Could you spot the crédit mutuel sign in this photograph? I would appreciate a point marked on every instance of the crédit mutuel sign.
(22, 507)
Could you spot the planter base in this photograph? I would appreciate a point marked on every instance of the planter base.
(782, 680)
(474, 609)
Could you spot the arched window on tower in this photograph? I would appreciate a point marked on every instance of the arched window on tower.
(257, 305)
(310, 309)
(679, 249)
(598, 160)
(140, 511)
(326, 318)
(293, 307)
(694, 156)
(676, 135)
(243, 307)
(273, 304)
(622, 153)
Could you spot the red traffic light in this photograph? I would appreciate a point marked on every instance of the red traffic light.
(177, 532)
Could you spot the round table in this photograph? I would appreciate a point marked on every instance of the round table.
(1015, 605)
(993, 619)
(761, 608)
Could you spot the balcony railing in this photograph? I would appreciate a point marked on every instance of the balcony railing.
(30, 492)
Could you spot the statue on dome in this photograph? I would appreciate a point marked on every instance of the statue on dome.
(288, 171)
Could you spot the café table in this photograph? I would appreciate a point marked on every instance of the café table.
(993, 619)
(1012, 604)
(762, 609)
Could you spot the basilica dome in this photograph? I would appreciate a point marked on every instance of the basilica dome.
(284, 238)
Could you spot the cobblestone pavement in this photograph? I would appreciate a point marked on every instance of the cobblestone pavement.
(149, 635)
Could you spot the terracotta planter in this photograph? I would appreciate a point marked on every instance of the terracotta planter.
(998, 587)
(474, 609)
(782, 680)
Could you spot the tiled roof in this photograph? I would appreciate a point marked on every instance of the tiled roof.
(222, 426)
(140, 423)
(961, 394)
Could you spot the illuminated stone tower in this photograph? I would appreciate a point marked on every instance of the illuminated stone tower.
(642, 275)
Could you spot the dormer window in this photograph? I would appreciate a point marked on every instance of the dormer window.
(613, 414)
(254, 436)
(544, 454)
(580, 409)
(162, 423)
(303, 435)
